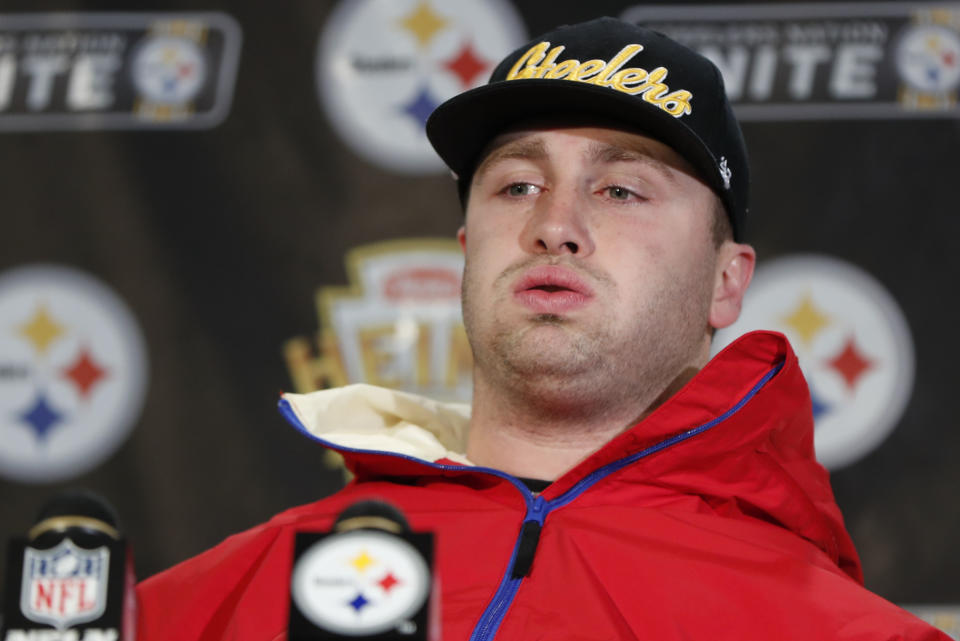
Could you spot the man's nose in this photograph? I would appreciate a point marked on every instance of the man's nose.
(558, 225)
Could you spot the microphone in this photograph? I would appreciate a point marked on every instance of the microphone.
(370, 578)
(71, 578)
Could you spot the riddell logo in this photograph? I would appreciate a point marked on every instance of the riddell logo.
(383, 66)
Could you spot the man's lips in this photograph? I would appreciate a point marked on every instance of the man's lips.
(551, 289)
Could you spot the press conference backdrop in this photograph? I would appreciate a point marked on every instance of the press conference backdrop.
(204, 204)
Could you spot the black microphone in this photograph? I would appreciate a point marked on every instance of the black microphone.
(369, 578)
(71, 578)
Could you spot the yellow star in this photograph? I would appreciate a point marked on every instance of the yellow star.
(424, 23)
(41, 330)
(362, 561)
(806, 320)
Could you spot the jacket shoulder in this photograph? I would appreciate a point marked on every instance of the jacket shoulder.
(200, 598)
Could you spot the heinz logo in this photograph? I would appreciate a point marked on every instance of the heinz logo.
(65, 585)
(422, 284)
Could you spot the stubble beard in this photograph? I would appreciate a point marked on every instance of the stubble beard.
(571, 370)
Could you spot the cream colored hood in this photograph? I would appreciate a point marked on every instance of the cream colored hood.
(367, 417)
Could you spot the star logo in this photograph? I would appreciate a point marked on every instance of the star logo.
(169, 71)
(851, 364)
(328, 592)
(359, 602)
(466, 65)
(421, 106)
(388, 582)
(852, 343)
(84, 373)
(926, 60)
(78, 364)
(362, 561)
(806, 319)
(424, 23)
(41, 418)
(42, 330)
(382, 66)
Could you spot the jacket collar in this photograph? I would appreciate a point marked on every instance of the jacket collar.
(751, 453)
(375, 419)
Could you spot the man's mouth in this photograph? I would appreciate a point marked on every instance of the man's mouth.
(551, 289)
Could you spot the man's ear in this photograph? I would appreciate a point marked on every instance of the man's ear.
(735, 262)
(462, 238)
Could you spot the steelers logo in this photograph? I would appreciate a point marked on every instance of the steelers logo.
(384, 65)
(169, 70)
(73, 373)
(363, 582)
(928, 58)
(852, 341)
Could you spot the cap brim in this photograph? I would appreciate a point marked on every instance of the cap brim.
(462, 127)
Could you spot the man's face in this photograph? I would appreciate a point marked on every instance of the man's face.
(590, 264)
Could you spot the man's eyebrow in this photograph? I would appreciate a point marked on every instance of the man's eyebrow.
(524, 149)
(605, 153)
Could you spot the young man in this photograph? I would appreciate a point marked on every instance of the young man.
(610, 483)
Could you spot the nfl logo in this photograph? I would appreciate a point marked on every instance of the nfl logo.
(65, 585)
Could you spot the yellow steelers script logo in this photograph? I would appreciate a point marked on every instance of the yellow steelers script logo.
(73, 373)
(852, 341)
(540, 61)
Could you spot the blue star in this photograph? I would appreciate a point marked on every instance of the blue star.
(359, 603)
(819, 406)
(933, 73)
(41, 417)
(421, 106)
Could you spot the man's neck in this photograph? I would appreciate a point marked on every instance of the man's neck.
(545, 440)
(528, 453)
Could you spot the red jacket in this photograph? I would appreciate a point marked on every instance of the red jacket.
(710, 519)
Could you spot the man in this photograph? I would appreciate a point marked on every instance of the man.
(610, 483)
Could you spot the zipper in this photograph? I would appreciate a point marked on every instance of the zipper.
(537, 507)
(493, 616)
(486, 628)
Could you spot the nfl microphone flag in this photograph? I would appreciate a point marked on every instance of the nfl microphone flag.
(71, 578)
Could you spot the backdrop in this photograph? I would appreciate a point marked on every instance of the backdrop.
(181, 189)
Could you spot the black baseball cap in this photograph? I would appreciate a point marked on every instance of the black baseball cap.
(609, 71)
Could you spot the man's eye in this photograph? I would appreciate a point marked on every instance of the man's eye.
(619, 193)
(521, 189)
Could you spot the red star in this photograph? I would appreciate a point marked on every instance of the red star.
(84, 373)
(466, 65)
(949, 58)
(388, 582)
(851, 364)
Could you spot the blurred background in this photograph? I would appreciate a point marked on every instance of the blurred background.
(205, 204)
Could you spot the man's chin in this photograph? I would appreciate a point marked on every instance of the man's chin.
(549, 319)
(549, 351)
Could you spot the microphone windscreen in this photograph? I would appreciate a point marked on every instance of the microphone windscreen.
(78, 502)
(372, 514)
